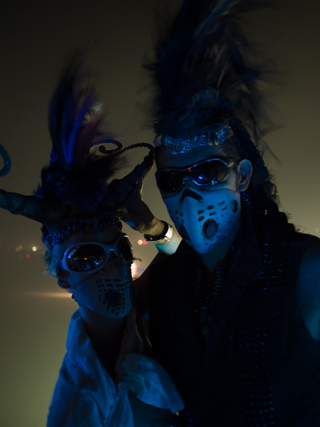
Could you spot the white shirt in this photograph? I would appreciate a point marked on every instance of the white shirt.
(86, 396)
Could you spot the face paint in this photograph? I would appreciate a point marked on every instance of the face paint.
(108, 294)
(204, 218)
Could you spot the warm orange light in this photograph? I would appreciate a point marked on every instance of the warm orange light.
(134, 270)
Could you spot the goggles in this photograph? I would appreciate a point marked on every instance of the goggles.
(206, 172)
(88, 257)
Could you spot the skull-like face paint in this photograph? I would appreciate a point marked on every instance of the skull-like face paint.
(204, 218)
(109, 294)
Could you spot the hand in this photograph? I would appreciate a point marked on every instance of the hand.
(136, 213)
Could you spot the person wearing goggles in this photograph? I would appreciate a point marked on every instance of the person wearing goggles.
(98, 271)
(106, 378)
(201, 189)
(234, 312)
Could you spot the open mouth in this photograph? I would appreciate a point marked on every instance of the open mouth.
(210, 228)
(113, 298)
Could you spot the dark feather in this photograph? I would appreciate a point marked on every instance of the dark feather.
(207, 50)
(71, 102)
(75, 176)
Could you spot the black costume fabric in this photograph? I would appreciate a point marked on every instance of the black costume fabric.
(251, 362)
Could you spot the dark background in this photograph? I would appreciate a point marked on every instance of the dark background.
(37, 38)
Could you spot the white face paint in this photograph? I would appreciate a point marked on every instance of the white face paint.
(109, 294)
(204, 218)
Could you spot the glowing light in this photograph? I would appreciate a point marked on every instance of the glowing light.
(50, 295)
(28, 256)
(134, 270)
(142, 242)
(19, 248)
(34, 248)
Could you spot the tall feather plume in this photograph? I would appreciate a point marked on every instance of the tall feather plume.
(76, 195)
(71, 102)
(207, 74)
(207, 51)
(75, 175)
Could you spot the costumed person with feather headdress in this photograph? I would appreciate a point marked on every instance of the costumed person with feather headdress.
(234, 313)
(105, 379)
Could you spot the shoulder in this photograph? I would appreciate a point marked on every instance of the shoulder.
(309, 287)
(310, 265)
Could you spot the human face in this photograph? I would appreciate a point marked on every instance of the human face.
(205, 216)
(107, 290)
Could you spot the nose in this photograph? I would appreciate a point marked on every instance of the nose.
(187, 181)
(114, 261)
(112, 255)
(189, 193)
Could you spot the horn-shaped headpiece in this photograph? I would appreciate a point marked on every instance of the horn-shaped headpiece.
(75, 194)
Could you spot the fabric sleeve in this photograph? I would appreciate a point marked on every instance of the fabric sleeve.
(73, 408)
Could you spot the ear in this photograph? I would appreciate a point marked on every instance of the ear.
(244, 176)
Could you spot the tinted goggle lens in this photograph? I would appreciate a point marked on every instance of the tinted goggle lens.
(125, 249)
(209, 172)
(88, 257)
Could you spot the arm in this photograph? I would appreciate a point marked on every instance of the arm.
(138, 216)
(309, 288)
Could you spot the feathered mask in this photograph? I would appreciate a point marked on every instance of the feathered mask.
(75, 194)
(206, 77)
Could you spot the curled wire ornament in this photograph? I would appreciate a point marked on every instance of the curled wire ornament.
(103, 150)
(6, 161)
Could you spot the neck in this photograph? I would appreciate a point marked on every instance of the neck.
(100, 326)
(105, 335)
(218, 253)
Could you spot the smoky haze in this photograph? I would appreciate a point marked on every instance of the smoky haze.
(37, 38)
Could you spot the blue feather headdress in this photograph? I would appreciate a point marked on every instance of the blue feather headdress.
(206, 77)
(76, 175)
(76, 194)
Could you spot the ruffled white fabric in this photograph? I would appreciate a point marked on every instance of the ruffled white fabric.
(85, 394)
(149, 382)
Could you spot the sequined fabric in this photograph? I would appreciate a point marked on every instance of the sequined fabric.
(247, 367)
(218, 135)
(252, 344)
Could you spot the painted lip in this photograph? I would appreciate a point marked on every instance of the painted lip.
(189, 193)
